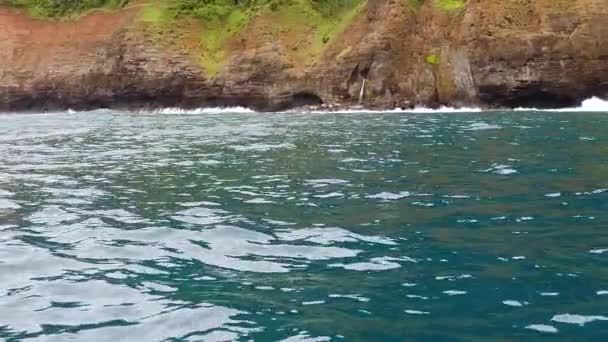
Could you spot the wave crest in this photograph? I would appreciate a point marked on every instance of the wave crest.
(594, 104)
(207, 110)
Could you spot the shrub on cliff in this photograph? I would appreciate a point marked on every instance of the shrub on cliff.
(62, 8)
(203, 9)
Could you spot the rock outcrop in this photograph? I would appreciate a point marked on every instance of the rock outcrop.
(492, 53)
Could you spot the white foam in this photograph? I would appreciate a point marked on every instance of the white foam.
(481, 126)
(593, 104)
(553, 194)
(314, 302)
(374, 264)
(264, 288)
(304, 337)
(457, 196)
(442, 109)
(505, 171)
(543, 328)
(329, 235)
(258, 201)
(210, 110)
(454, 292)
(413, 296)
(330, 195)
(577, 319)
(325, 182)
(514, 303)
(356, 297)
(454, 277)
(599, 251)
(8, 204)
(4, 193)
(390, 196)
(260, 147)
(500, 169)
(416, 312)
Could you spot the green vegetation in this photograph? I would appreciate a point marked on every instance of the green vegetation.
(416, 4)
(445, 5)
(307, 26)
(450, 5)
(432, 59)
(62, 8)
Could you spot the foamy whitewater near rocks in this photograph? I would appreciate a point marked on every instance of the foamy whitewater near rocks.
(210, 110)
(590, 105)
(593, 104)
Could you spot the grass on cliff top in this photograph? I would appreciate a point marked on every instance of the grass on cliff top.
(314, 28)
(59, 9)
(314, 22)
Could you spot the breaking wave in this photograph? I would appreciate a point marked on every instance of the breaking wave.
(209, 110)
(593, 104)
(420, 110)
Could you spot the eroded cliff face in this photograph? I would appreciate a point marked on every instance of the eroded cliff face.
(546, 53)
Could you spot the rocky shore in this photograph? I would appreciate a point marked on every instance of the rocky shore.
(490, 53)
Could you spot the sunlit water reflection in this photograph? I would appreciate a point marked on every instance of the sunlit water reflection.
(305, 227)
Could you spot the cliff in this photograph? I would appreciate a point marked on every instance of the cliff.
(492, 53)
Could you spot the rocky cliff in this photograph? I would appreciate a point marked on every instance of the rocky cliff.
(493, 53)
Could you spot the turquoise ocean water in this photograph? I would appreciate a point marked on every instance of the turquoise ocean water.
(304, 227)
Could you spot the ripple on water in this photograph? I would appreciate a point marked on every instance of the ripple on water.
(6, 204)
(481, 126)
(201, 215)
(355, 297)
(262, 147)
(320, 183)
(330, 235)
(52, 215)
(374, 264)
(305, 337)
(330, 195)
(233, 248)
(153, 229)
(390, 196)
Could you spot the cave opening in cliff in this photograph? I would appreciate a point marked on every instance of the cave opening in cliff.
(530, 96)
(305, 98)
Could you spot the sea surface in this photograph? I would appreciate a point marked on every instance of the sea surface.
(486, 226)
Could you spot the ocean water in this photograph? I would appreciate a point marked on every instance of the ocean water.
(304, 227)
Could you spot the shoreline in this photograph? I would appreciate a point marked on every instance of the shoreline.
(593, 104)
